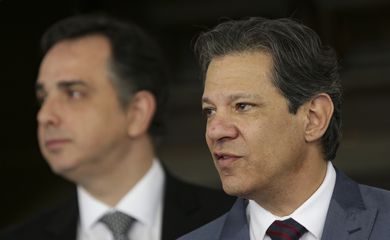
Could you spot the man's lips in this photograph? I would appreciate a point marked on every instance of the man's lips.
(224, 156)
(55, 144)
(225, 159)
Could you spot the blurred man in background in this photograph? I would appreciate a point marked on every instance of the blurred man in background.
(102, 86)
(272, 96)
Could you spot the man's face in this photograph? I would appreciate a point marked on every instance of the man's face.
(256, 144)
(81, 125)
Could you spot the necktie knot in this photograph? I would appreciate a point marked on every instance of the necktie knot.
(288, 229)
(118, 223)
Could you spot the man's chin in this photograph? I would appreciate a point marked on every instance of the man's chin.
(63, 169)
(233, 188)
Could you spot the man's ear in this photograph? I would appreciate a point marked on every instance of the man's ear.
(319, 112)
(140, 113)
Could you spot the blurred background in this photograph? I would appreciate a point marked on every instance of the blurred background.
(359, 30)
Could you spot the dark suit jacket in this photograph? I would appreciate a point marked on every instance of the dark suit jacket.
(186, 207)
(356, 212)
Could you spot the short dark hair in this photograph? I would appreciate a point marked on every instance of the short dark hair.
(136, 60)
(302, 65)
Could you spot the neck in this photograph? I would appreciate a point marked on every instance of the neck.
(301, 185)
(119, 175)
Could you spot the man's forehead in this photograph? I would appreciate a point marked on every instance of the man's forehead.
(86, 59)
(236, 64)
(88, 49)
(244, 55)
(85, 42)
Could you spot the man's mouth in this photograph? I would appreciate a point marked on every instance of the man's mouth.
(56, 144)
(226, 159)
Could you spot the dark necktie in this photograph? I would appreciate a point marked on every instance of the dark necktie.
(118, 223)
(288, 229)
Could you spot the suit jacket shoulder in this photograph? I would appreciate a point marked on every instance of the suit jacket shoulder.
(230, 226)
(188, 206)
(357, 212)
(58, 222)
(378, 199)
(209, 231)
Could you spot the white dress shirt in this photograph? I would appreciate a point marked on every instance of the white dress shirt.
(311, 214)
(144, 202)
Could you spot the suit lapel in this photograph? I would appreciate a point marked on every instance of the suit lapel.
(236, 224)
(348, 217)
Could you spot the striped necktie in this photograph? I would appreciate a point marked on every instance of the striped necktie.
(288, 229)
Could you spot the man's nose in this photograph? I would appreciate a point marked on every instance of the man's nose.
(221, 128)
(48, 113)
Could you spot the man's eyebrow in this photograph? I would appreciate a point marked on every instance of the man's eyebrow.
(61, 84)
(234, 97)
(205, 100)
(70, 83)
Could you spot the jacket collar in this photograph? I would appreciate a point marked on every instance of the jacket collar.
(348, 217)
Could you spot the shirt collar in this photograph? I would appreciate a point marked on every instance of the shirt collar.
(141, 202)
(311, 214)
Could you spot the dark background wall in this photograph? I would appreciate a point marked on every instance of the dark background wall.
(359, 30)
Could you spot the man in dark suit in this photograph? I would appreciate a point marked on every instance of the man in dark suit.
(102, 87)
(272, 96)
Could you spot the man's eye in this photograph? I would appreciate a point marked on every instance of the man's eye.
(40, 97)
(208, 112)
(40, 101)
(74, 94)
(243, 106)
